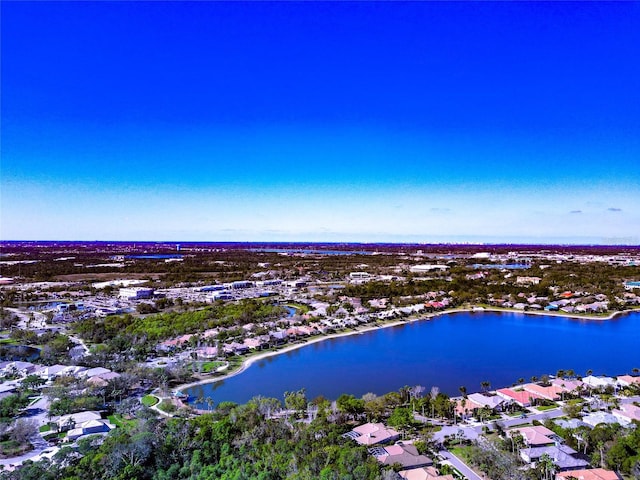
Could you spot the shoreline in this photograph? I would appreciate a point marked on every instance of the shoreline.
(260, 356)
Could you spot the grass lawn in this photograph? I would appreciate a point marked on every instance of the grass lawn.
(463, 453)
(45, 428)
(208, 367)
(542, 408)
(120, 422)
(149, 400)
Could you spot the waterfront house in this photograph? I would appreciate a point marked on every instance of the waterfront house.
(235, 348)
(566, 384)
(627, 380)
(489, 401)
(518, 395)
(627, 413)
(373, 434)
(598, 382)
(552, 392)
(279, 336)
(207, 352)
(253, 343)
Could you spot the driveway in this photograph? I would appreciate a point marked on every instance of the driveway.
(459, 465)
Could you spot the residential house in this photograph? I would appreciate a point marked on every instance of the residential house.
(536, 436)
(552, 392)
(7, 389)
(405, 455)
(49, 373)
(627, 380)
(426, 473)
(92, 372)
(19, 368)
(596, 418)
(490, 401)
(568, 385)
(598, 382)
(561, 455)
(373, 434)
(67, 422)
(590, 474)
(89, 427)
(627, 413)
(571, 423)
(518, 395)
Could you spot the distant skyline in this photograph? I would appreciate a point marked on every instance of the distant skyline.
(423, 122)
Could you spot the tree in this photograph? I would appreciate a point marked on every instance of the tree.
(296, 401)
(463, 391)
(401, 418)
(23, 429)
(350, 405)
(547, 466)
(434, 394)
(33, 381)
(486, 385)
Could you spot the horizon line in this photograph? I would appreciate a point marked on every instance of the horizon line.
(338, 242)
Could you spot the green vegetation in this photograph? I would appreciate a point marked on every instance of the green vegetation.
(208, 367)
(11, 406)
(542, 408)
(120, 422)
(13, 448)
(237, 442)
(119, 333)
(150, 400)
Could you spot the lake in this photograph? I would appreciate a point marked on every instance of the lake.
(447, 351)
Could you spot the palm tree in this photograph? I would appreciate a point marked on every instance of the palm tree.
(534, 379)
(486, 384)
(463, 391)
(635, 371)
(434, 394)
(547, 464)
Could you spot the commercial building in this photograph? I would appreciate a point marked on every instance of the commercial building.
(136, 293)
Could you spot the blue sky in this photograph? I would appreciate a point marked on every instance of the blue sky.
(365, 121)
